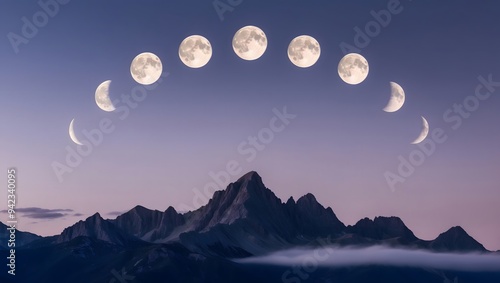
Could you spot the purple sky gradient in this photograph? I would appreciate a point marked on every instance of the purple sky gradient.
(338, 147)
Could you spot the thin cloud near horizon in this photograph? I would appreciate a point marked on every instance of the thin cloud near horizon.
(380, 255)
(43, 213)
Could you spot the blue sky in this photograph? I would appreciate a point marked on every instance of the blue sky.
(338, 147)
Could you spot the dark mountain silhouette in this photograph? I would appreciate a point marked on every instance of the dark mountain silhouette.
(243, 220)
(456, 239)
(149, 225)
(382, 228)
(97, 228)
(311, 219)
(22, 238)
(248, 219)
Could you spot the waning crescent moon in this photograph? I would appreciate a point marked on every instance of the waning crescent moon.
(397, 98)
(424, 133)
(72, 133)
(102, 97)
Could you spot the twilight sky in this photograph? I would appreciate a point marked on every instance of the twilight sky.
(339, 146)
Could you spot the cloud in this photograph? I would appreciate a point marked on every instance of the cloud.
(45, 215)
(77, 214)
(378, 255)
(41, 213)
(115, 213)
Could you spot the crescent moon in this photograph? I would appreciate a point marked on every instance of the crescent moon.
(397, 98)
(72, 133)
(424, 133)
(102, 97)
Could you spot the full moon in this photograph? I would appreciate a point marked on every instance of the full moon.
(72, 133)
(304, 51)
(195, 51)
(423, 133)
(353, 68)
(102, 97)
(146, 68)
(249, 43)
(397, 98)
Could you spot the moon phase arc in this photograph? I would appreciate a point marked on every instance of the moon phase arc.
(72, 133)
(397, 98)
(102, 97)
(249, 43)
(353, 68)
(195, 51)
(304, 51)
(423, 133)
(146, 68)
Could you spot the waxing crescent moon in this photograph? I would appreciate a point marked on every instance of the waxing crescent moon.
(397, 98)
(424, 133)
(146, 68)
(353, 68)
(72, 133)
(102, 97)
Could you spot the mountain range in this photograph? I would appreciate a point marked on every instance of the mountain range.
(246, 219)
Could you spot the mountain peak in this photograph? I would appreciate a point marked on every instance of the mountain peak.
(457, 230)
(171, 210)
(148, 224)
(95, 227)
(249, 186)
(95, 215)
(456, 239)
(139, 207)
(307, 198)
(382, 228)
(250, 176)
(95, 218)
(312, 219)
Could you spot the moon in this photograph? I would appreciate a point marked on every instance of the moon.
(304, 51)
(353, 68)
(249, 43)
(195, 51)
(424, 133)
(397, 98)
(72, 133)
(102, 97)
(146, 68)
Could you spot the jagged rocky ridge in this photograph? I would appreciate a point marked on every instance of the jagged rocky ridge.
(243, 220)
(248, 219)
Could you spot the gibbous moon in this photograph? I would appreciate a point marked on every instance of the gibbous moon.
(102, 97)
(146, 68)
(195, 51)
(72, 133)
(397, 98)
(353, 68)
(424, 133)
(304, 51)
(249, 43)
